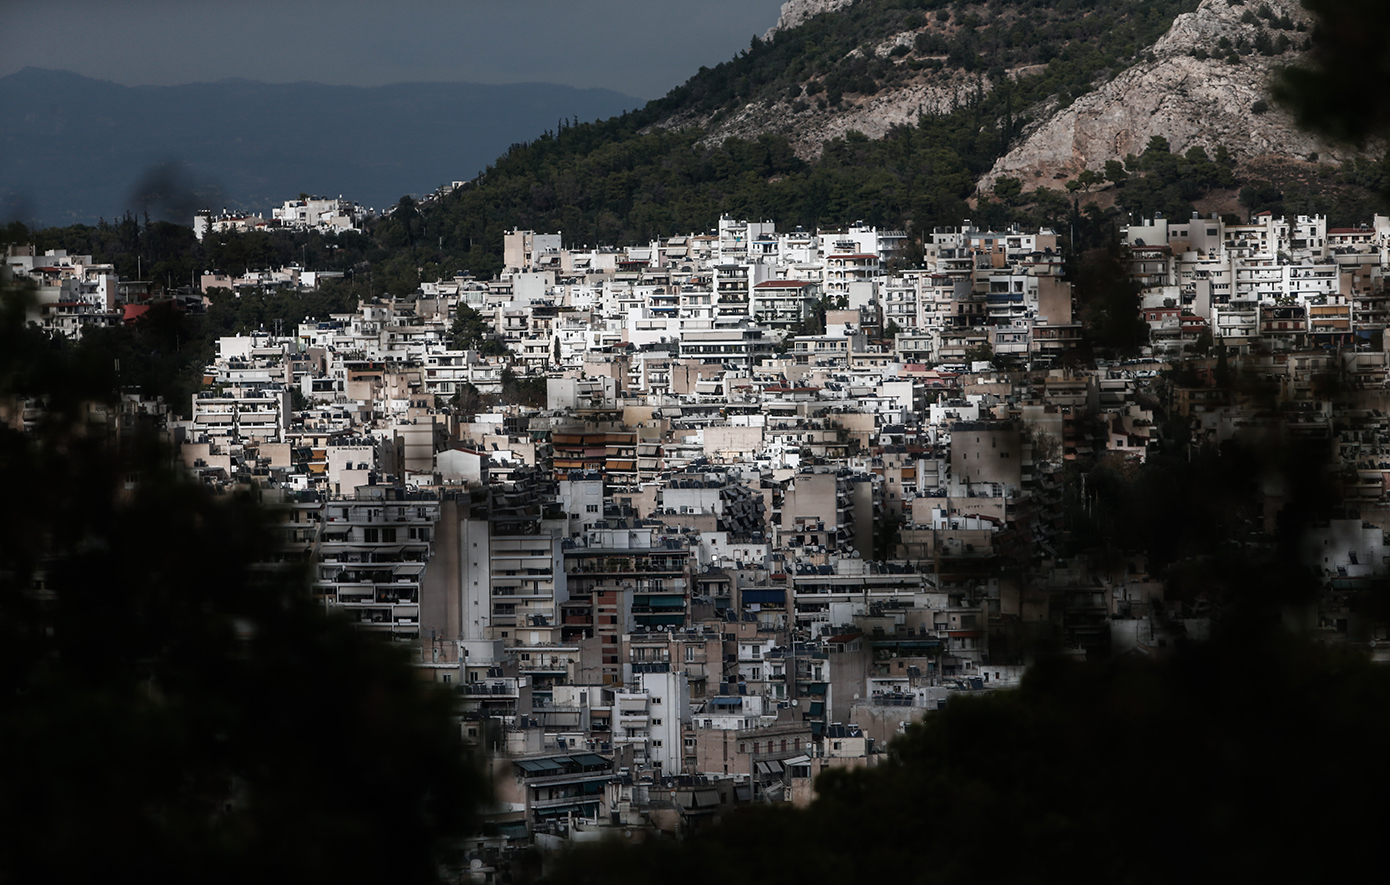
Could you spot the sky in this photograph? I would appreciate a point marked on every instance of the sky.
(642, 48)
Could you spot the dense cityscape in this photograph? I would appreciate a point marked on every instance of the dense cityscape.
(766, 498)
(943, 441)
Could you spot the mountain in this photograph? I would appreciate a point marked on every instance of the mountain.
(75, 149)
(1193, 87)
(1095, 81)
(905, 114)
(834, 66)
(913, 114)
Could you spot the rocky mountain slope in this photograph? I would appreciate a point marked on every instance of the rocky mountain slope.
(794, 12)
(1186, 90)
(808, 120)
(1203, 82)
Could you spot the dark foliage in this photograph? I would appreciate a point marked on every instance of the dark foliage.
(1206, 766)
(174, 703)
(1350, 44)
(1110, 302)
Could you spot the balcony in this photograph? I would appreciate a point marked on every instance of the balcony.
(490, 689)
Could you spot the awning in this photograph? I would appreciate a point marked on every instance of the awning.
(660, 601)
(587, 759)
(540, 766)
(509, 829)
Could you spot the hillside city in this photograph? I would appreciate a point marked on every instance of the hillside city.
(768, 496)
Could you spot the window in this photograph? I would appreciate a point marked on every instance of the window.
(656, 722)
(591, 508)
(656, 743)
(656, 700)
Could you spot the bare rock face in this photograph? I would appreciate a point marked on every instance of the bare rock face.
(808, 127)
(794, 12)
(1187, 100)
(1185, 88)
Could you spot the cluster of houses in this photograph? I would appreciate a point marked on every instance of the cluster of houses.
(324, 214)
(1274, 284)
(784, 496)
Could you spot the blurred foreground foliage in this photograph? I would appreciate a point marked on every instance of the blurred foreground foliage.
(1252, 757)
(173, 703)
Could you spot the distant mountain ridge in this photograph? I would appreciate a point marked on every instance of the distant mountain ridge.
(75, 149)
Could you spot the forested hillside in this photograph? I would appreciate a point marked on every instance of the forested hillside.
(672, 168)
(637, 176)
(666, 170)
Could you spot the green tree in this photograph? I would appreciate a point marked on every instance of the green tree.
(470, 330)
(1111, 301)
(528, 390)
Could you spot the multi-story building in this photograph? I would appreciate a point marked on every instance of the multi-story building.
(373, 551)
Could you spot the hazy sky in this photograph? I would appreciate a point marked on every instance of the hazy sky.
(640, 47)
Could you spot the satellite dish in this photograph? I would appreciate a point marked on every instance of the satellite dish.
(856, 695)
(475, 864)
